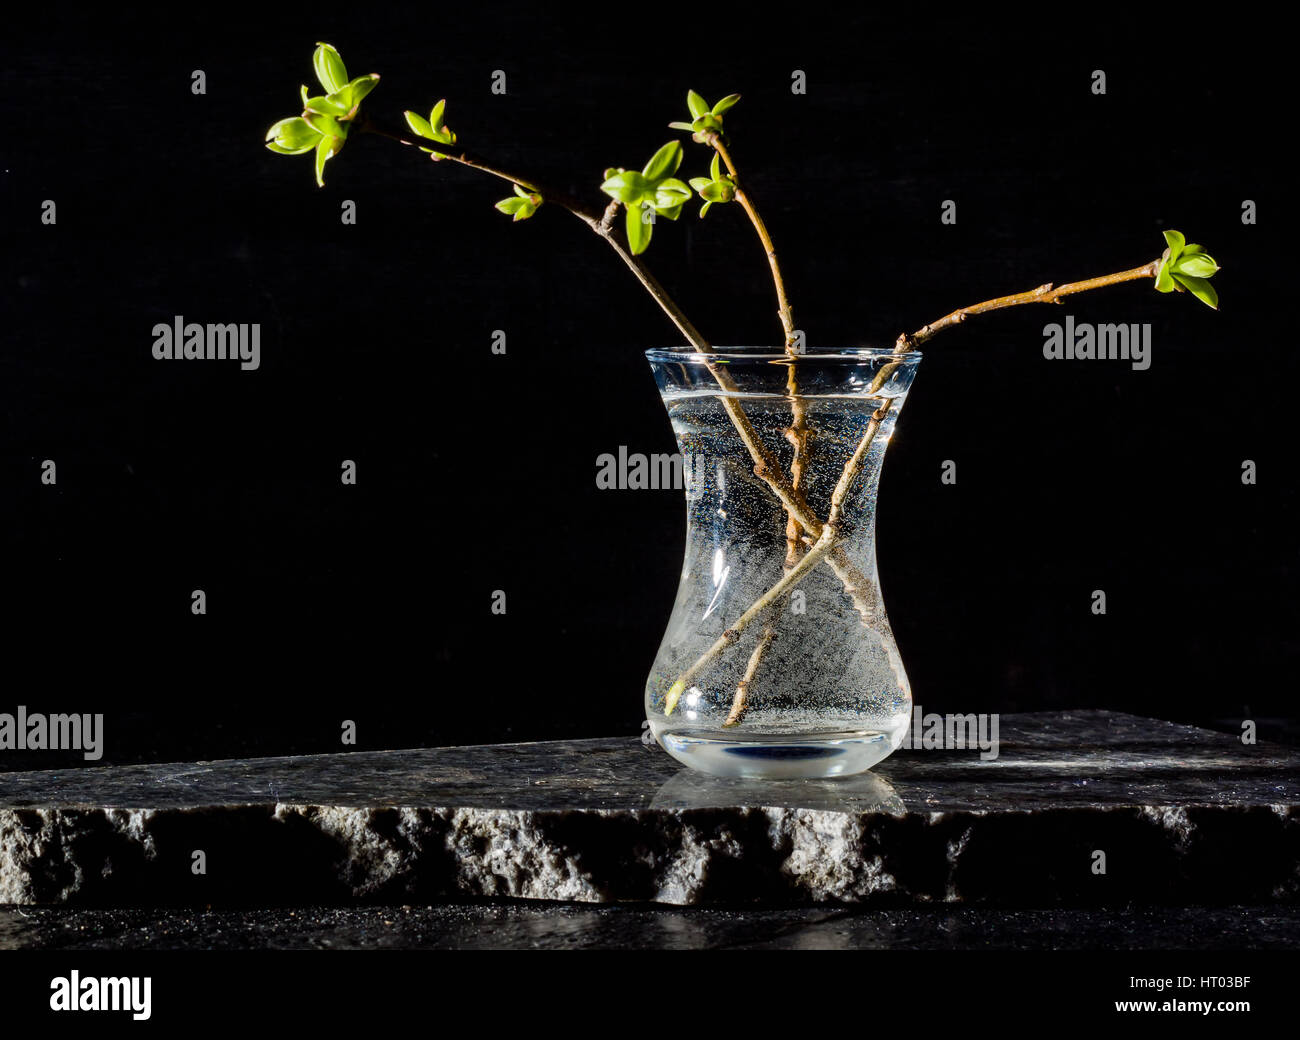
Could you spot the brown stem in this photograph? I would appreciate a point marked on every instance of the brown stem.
(766, 465)
(797, 434)
(827, 541)
(1043, 294)
(715, 141)
(741, 701)
(592, 218)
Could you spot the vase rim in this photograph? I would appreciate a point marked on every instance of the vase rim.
(685, 354)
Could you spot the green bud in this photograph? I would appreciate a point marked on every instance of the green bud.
(718, 191)
(330, 70)
(522, 205)
(436, 119)
(292, 137)
(707, 123)
(1186, 268)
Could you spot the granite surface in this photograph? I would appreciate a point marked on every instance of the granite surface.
(518, 925)
(1181, 815)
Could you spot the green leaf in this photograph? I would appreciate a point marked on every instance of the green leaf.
(715, 191)
(696, 104)
(726, 103)
(350, 95)
(419, 124)
(715, 168)
(292, 136)
(361, 86)
(706, 123)
(704, 210)
(1164, 280)
(521, 192)
(1176, 244)
(519, 208)
(680, 126)
(700, 183)
(1199, 288)
(326, 107)
(664, 162)
(304, 95)
(327, 147)
(330, 70)
(1198, 265)
(327, 125)
(670, 212)
(627, 186)
(435, 116)
(638, 230)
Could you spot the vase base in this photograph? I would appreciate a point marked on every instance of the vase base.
(778, 756)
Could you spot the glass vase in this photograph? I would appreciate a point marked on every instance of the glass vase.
(778, 660)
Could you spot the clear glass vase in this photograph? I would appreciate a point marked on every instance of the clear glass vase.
(778, 660)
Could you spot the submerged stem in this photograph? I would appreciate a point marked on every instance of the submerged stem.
(797, 433)
(827, 539)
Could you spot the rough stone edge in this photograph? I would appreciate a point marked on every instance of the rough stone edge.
(674, 856)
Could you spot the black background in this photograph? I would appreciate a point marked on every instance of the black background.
(476, 471)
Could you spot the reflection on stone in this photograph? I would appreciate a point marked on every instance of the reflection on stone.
(863, 793)
(1183, 814)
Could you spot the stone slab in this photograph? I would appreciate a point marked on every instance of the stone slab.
(532, 925)
(1182, 815)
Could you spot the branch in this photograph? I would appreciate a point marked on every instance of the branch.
(766, 466)
(760, 606)
(594, 219)
(1043, 294)
(714, 140)
(826, 538)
